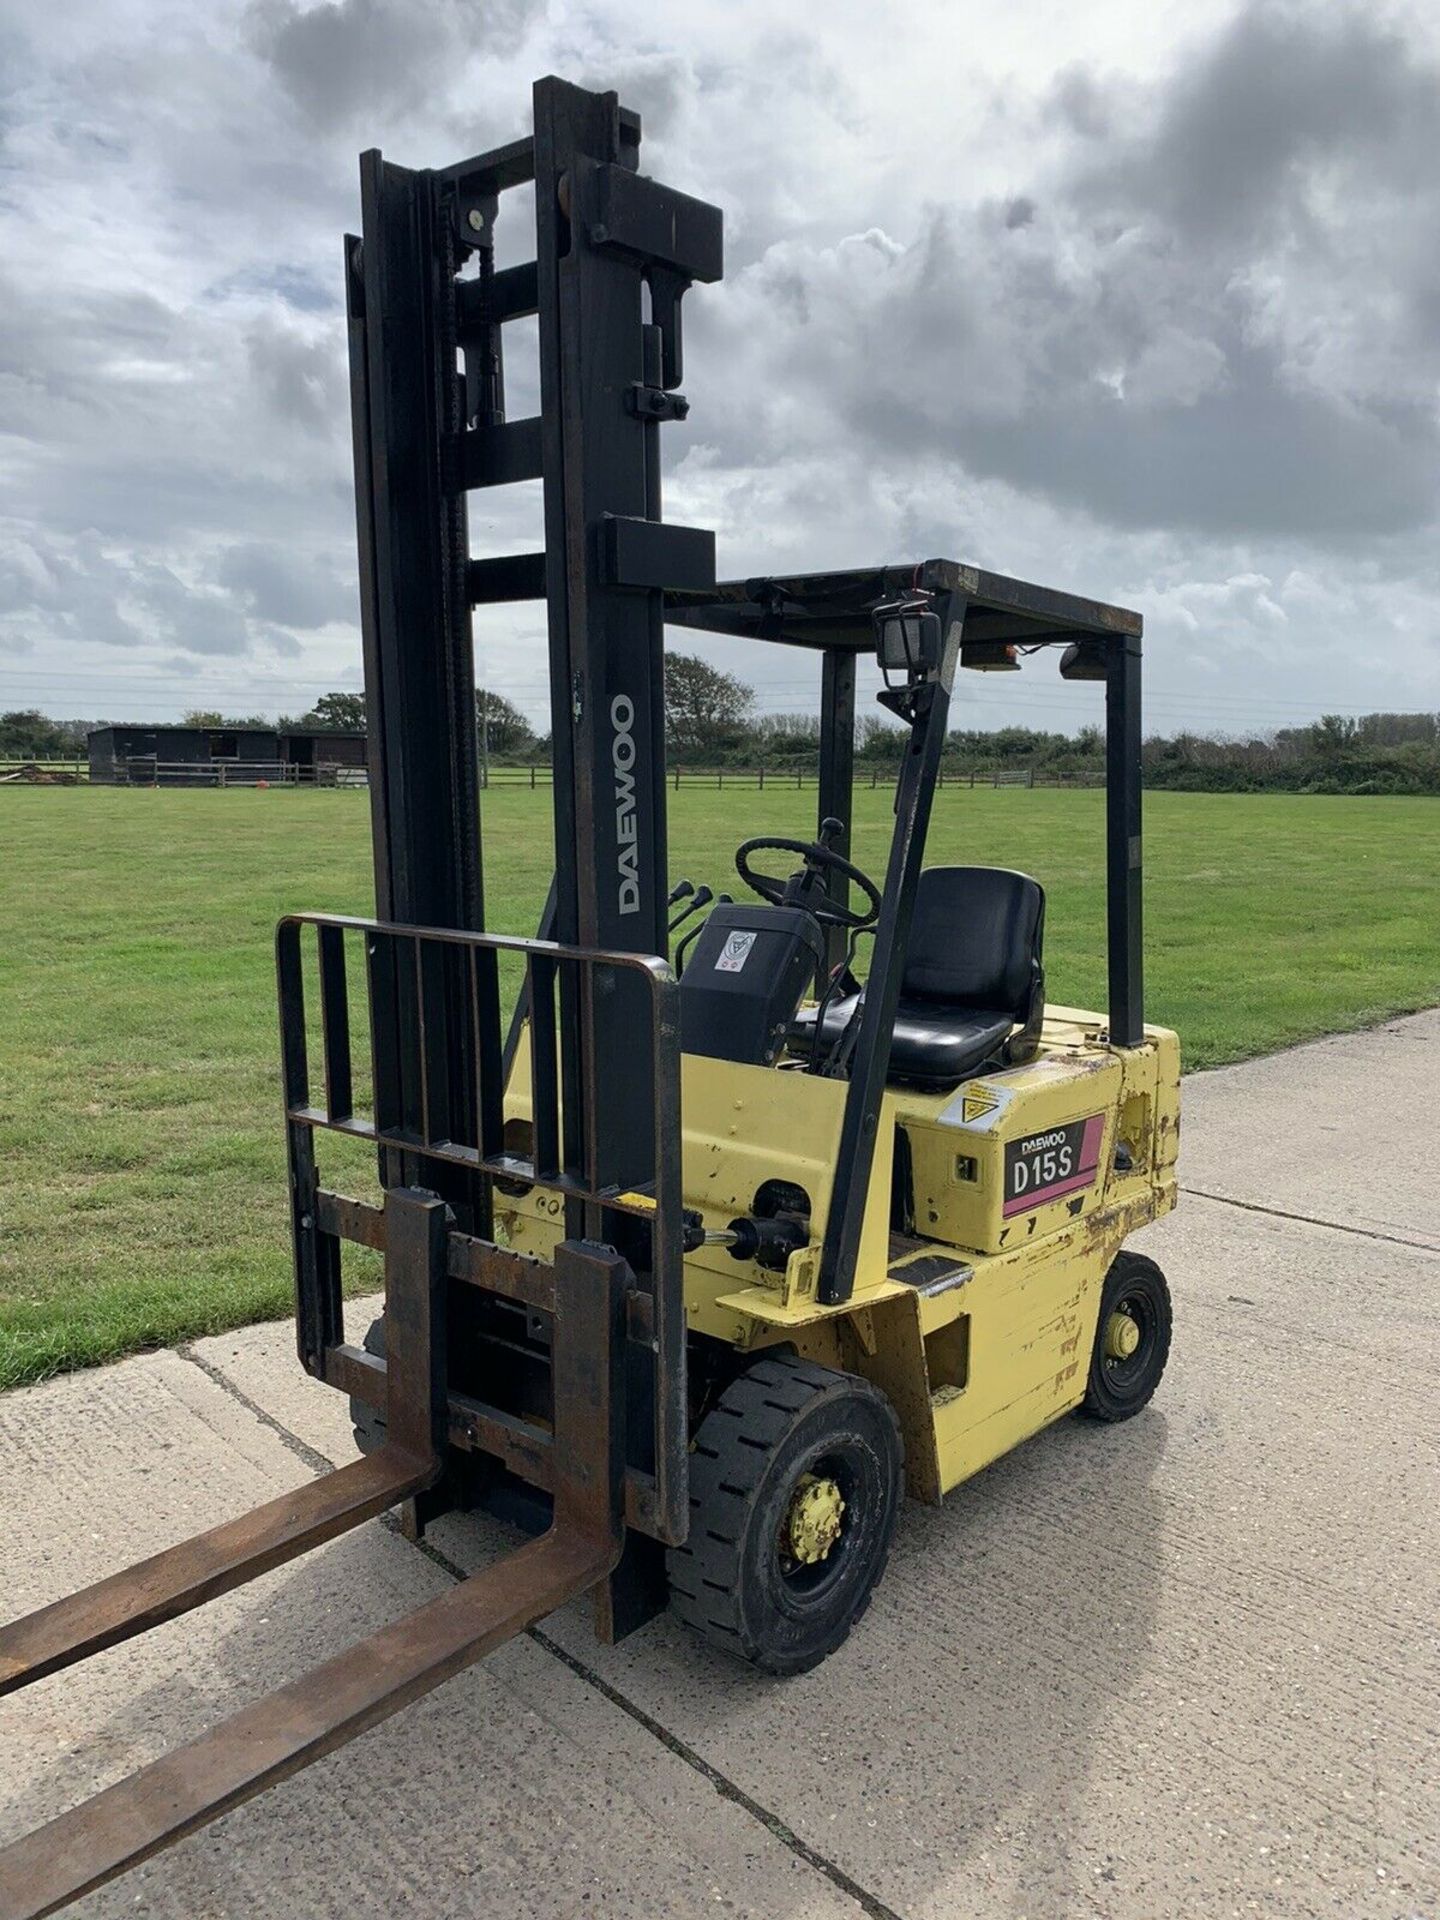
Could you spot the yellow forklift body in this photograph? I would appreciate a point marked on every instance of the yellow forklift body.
(976, 1313)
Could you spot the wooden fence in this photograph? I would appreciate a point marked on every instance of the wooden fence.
(276, 773)
(235, 773)
(719, 778)
(46, 771)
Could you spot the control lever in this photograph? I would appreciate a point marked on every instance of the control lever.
(701, 898)
(681, 890)
(721, 900)
(697, 1234)
(769, 1243)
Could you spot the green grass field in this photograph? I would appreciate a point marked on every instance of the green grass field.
(141, 1157)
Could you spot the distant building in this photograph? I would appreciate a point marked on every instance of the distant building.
(212, 756)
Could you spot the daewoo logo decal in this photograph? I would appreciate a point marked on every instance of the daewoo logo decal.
(622, 754)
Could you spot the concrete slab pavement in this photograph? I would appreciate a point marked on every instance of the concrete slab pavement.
(1344, 1130)
(517, 1790)
(1186, 1666)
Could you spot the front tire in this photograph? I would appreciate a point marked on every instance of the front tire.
(1132, 1339)
(796, 1478)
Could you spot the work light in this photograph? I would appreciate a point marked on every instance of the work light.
(907, 638)
(1085, 659)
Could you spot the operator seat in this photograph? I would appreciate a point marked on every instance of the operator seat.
(972, 997)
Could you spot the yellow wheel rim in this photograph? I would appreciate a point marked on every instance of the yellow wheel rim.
(1122, 1336)
(812, 1524)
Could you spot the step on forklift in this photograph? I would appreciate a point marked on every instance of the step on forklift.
(692, 1277)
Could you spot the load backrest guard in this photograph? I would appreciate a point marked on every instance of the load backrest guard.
(563, 1161)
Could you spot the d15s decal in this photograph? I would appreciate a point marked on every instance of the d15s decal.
(1046, 1165)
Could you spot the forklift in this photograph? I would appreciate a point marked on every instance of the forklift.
(693, 1275)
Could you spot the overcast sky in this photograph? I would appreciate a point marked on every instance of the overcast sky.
(1136, 298)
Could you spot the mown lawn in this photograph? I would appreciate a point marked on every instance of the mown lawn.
(141, 1162)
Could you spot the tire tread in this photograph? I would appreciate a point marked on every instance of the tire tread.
(751, 1419)
(1120, 1277)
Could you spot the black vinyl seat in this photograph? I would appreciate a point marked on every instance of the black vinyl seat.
(973, 993)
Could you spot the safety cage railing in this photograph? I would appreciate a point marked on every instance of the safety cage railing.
(439, 1064)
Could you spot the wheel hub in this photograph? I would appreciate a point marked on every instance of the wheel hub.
(812, 1525)
(1122, 1335)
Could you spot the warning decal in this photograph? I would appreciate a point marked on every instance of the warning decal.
(976, 1104)
(736, 952)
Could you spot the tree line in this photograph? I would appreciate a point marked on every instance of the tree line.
(712, 721)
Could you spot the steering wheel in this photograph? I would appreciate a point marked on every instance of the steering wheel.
(818, 859)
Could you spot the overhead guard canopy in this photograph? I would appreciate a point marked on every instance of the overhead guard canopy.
(832, 614)
(825, 610)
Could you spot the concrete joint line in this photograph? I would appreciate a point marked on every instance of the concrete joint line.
(313, 1459)
(1312, 1220)
(868, 1903)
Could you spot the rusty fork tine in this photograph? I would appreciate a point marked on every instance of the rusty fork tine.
(135, 1818)
(227, 1556)
(187, 1575)
(263, 1743)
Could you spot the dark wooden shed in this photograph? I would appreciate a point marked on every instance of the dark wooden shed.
(149, 755)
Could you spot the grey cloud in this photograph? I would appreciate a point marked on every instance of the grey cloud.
(57, 593)
(299, 287)
(277, 584)
(300, 375)
(45, 362)
(1254, 458)
(278, 641)
(54, 594)
(1237, 133)
(1187, 333)
(665, 82)
(138, 419)
(346, 59)
(183, 616)
(1083, 102)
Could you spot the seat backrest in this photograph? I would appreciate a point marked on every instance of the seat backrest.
(975, 940)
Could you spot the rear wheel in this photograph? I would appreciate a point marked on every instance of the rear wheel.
(1132, 1340)
(795, 1485)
